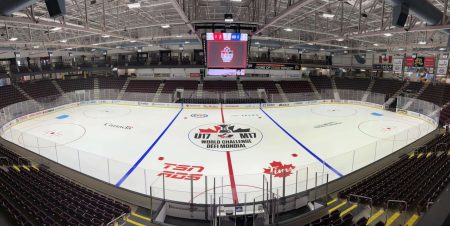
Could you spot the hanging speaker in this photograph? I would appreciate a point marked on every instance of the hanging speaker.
(400, 14)
(56, 7)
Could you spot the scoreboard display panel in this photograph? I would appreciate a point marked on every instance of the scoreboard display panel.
(226, 50)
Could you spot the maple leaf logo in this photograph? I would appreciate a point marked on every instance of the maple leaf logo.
(279, 169)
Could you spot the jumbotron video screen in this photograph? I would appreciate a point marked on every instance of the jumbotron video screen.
(226, 50)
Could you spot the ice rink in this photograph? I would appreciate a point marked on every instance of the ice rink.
(182, 152)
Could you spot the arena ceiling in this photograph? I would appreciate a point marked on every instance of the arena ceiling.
(279, 24)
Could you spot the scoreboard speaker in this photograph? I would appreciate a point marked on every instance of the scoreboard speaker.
(400, 14)
(56, 7)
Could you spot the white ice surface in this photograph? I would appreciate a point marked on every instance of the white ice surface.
(346, 137)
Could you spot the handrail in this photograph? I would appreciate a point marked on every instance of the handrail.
(396, 201)
(365, 197)
(7, 160)
(439, 144)
(117, 218)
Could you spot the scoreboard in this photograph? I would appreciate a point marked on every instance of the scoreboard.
(226, 50)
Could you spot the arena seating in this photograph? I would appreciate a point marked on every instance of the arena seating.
(10, 95)
(295, 86)
(35, 68)
(413, 87)
(433, 93)
(111, 83)
(39, 89)
(445, 116)
(171, 85)
(36, 196)
(70, 85)
(46, 67)
(321, 82)
(335, 219)
(3, 70)
(352, 83)
(220, 101)
(269, 86)
(143, 86)
(8, 158)
(219, 86)
(24, 69)
(14, 69)
(416, 179)
(387, 86)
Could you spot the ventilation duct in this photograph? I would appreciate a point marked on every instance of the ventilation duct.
(422, 9)
(8, 7)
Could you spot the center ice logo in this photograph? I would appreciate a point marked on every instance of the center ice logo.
(225, 137)
(226, 54)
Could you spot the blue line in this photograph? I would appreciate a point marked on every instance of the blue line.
(146, 152)
(303, 146)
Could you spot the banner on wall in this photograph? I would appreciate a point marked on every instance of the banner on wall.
(419, 62)
(429, 62)
(384, 67)
(409, 61)
(398, 65)
(442, 66)
(384, 59)
(270, 66)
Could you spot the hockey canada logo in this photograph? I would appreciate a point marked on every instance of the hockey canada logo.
(199, 115)
(226, 54)
(278, 169)
(225, 137)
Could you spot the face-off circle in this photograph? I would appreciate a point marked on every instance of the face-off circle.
(225, 137)
(333, 111)
(106, 112)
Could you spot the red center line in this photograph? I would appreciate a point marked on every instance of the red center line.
(232, 181)
(221, 112)
(230, 169)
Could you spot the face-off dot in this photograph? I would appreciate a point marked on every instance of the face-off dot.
(295, 155)
(161, 158)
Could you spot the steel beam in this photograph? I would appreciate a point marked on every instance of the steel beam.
(284, 14)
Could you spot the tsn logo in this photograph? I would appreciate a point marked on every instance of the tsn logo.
(182, 172)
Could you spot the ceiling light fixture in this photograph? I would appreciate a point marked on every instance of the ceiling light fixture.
(387, 34)
(442, 49)
(134, 5)
(375, 44)
(106, 36)
(340, 39)
(165, 26)
(63, 41)
(422, 42)
(55, 29)
(132, 41)
(288, 29)
(328, 15)
(13, 39)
